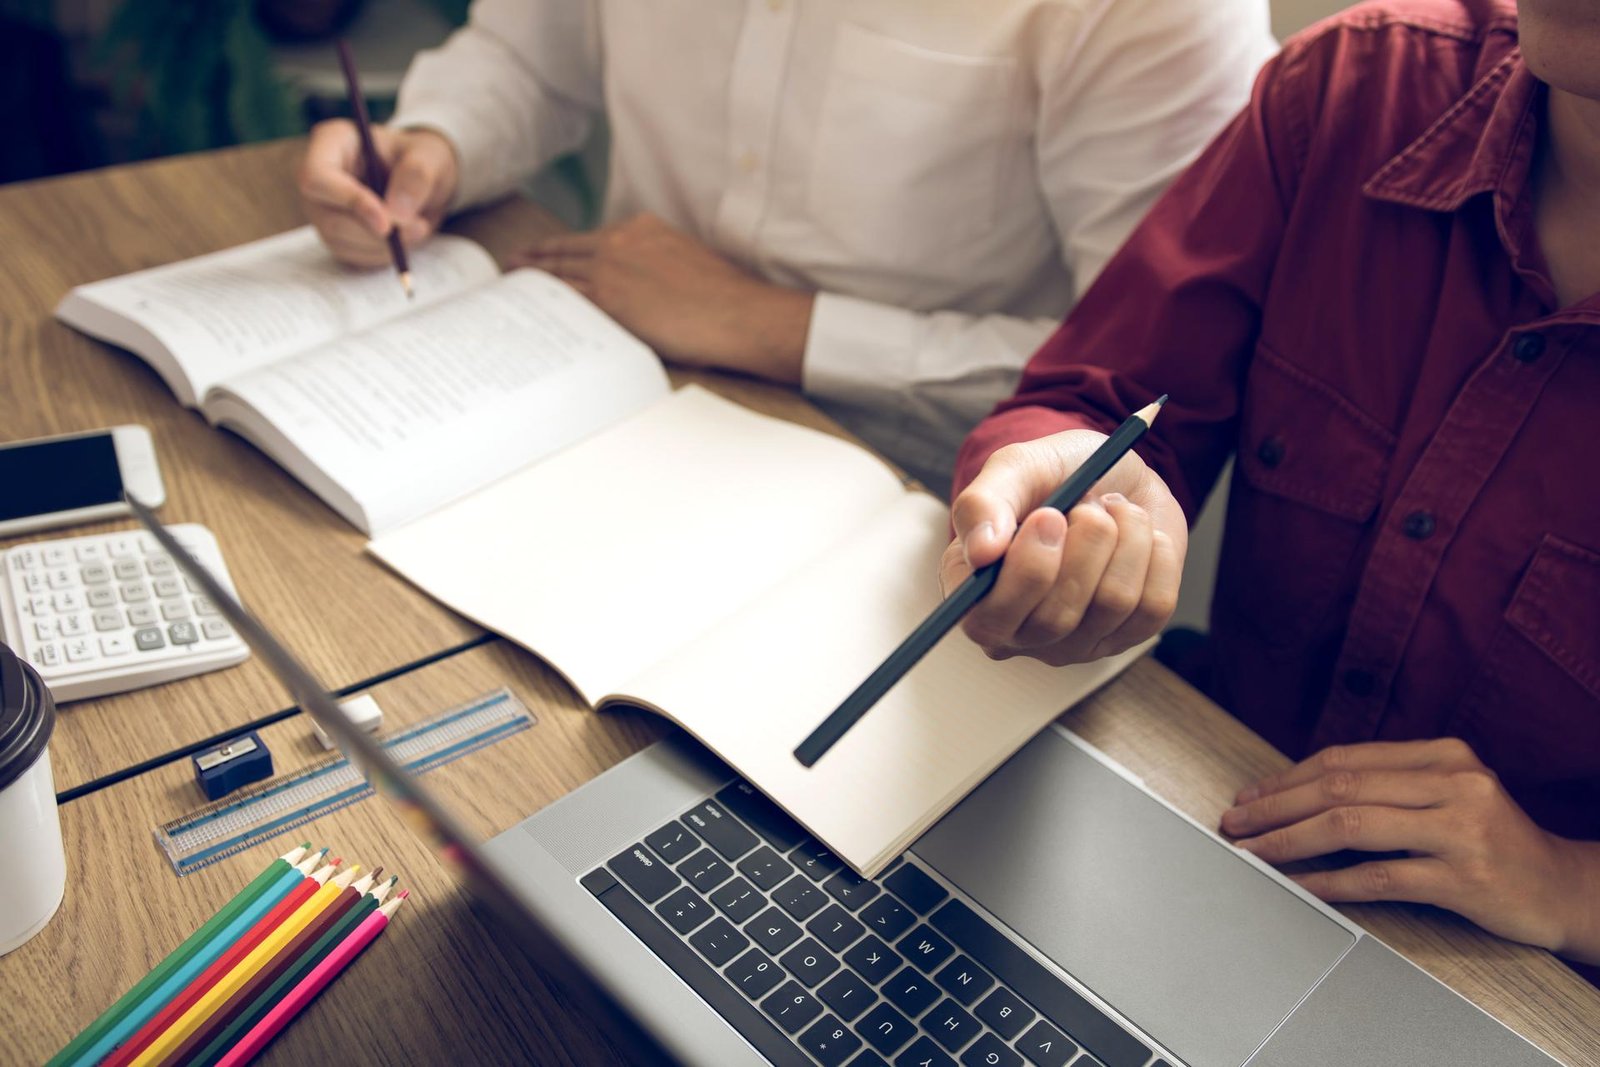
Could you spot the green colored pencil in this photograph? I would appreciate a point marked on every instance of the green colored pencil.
(181, 955)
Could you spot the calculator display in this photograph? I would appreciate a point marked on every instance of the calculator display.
(50, 476)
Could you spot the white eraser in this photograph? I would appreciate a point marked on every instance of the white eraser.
(362, 711)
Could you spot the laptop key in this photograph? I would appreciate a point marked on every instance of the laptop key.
(810, 962)
(1046, 1046)
(738, 900)
(765, 868)
(887, 918)
(924, 1053)
(950, 1025)
(643, 873)
(911, 991)
(705, 871)
(850, 889)
(684, 910)
(872, 959)
(673, 842)
(1005, 1012)
(754, 974)
(835, 927)
(718, 941)
(1060, 1003)
(815, 860)
(913, 886)
(722, 831)
(799, 897)
(990, 1051)
(846, 994)
(885, 1029)
(829, 1041)
(791, 1007)
(773, 930)
(964, 980)
(761, 815)
(925, 948)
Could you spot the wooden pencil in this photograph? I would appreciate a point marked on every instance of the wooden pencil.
(377, 171)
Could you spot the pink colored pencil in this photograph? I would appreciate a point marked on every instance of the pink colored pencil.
(250, 1046)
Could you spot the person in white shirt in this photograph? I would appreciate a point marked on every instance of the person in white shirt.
(890, 203)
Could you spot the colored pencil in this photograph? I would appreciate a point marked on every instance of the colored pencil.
(977, 585)
(161, 1049)
(246, 993)
(377, 173)
(312, 984)
(203, 946)
(288, 979)
(220, 966)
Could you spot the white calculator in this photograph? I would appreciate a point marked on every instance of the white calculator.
(110, 612)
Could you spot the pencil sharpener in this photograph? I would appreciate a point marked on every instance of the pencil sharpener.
(237, 763)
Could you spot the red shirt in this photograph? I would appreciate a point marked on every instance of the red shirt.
(1346, 292)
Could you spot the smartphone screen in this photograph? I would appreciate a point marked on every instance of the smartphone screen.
(51, 476)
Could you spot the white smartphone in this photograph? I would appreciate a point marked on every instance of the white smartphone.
(79, 477)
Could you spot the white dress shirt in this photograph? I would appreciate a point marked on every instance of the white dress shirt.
(947, 175)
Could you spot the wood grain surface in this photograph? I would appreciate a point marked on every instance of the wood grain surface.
(439, 986)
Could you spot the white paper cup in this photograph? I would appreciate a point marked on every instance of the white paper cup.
(33, 877)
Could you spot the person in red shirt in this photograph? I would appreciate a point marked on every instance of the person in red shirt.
(1378, 289)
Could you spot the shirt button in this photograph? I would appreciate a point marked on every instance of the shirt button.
(1529, 347)
(1360, 683)
(748, 162)
(775, 5)
(1418, 525)
(1270, 452)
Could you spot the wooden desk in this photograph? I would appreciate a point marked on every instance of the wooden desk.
(438, 988)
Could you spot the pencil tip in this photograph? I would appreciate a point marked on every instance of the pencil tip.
(403, 894)
(1162, 399)
(393, 878)
(405, 280)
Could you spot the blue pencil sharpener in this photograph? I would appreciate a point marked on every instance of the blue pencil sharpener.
(237, 763)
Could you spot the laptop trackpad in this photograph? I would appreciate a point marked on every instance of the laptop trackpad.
(1168, 925)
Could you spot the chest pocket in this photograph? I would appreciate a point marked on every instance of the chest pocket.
(1533, 709)
(911, 148)
(1313, 467)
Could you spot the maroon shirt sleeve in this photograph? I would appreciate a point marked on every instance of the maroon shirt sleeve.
(1177, 309)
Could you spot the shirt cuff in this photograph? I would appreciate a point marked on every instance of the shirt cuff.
(857, 348)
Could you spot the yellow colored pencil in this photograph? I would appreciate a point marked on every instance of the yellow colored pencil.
(162, 1047)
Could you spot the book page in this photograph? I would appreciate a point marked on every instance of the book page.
(755, 685)
(432, 405)
(228, 312)
(626, 548)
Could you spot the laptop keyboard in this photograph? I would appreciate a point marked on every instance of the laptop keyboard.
(812, 964)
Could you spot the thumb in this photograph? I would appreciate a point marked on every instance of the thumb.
(988, 511)
(421, 169)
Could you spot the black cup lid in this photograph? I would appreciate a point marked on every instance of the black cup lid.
(27, 716)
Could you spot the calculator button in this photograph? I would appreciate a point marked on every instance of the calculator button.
(72, 625)
(148, 544)
(142, 615)
(38, 604)
(158, 565)
(117, 547)
(47, 655)
(95, 573)
(204, 606)
(126, 570)
(174, 609)
(70, 600)
(149, 639)
(44, 629)
(54, 556)
(89, 551)
(23, 559)
(108, 619)
(116, 645)
(183, 633)
(135, 592)
(215, 629)
(79, 649)
(167, 587)
(34, 582)
(102, 596)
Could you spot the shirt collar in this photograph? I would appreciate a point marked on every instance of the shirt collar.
(1482, 143)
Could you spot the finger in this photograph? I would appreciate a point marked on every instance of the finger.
(1029, 570)
(953, 569)
(568, 244)
(1091, 539)
(1421, 880)
(421, 177)
(1443, 753)
(988, 511)
(362, 256)
(1366, 828)
(1122, 584)
(342, 230)
(568, 268)
(328, 176)
(1156, 604)
(1397, 789)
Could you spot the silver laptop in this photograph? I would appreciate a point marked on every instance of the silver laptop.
(1061, 914)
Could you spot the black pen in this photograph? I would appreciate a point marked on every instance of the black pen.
(968, 593)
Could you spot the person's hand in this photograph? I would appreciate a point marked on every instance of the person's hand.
(353, 220)
(1075, 587)
(1469, 847)
(681, 298)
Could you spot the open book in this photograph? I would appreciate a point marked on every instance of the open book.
(741, 575)
(386, 408)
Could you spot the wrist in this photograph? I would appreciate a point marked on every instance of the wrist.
(776, 324)
(1580, 900)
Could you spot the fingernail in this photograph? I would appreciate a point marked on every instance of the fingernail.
(981, 532)
(1233, 817)
(1113, 498)
(1052, 534)
(1248, 844)
(1247, 795)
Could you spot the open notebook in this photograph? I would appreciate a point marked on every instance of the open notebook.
(740, 575)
